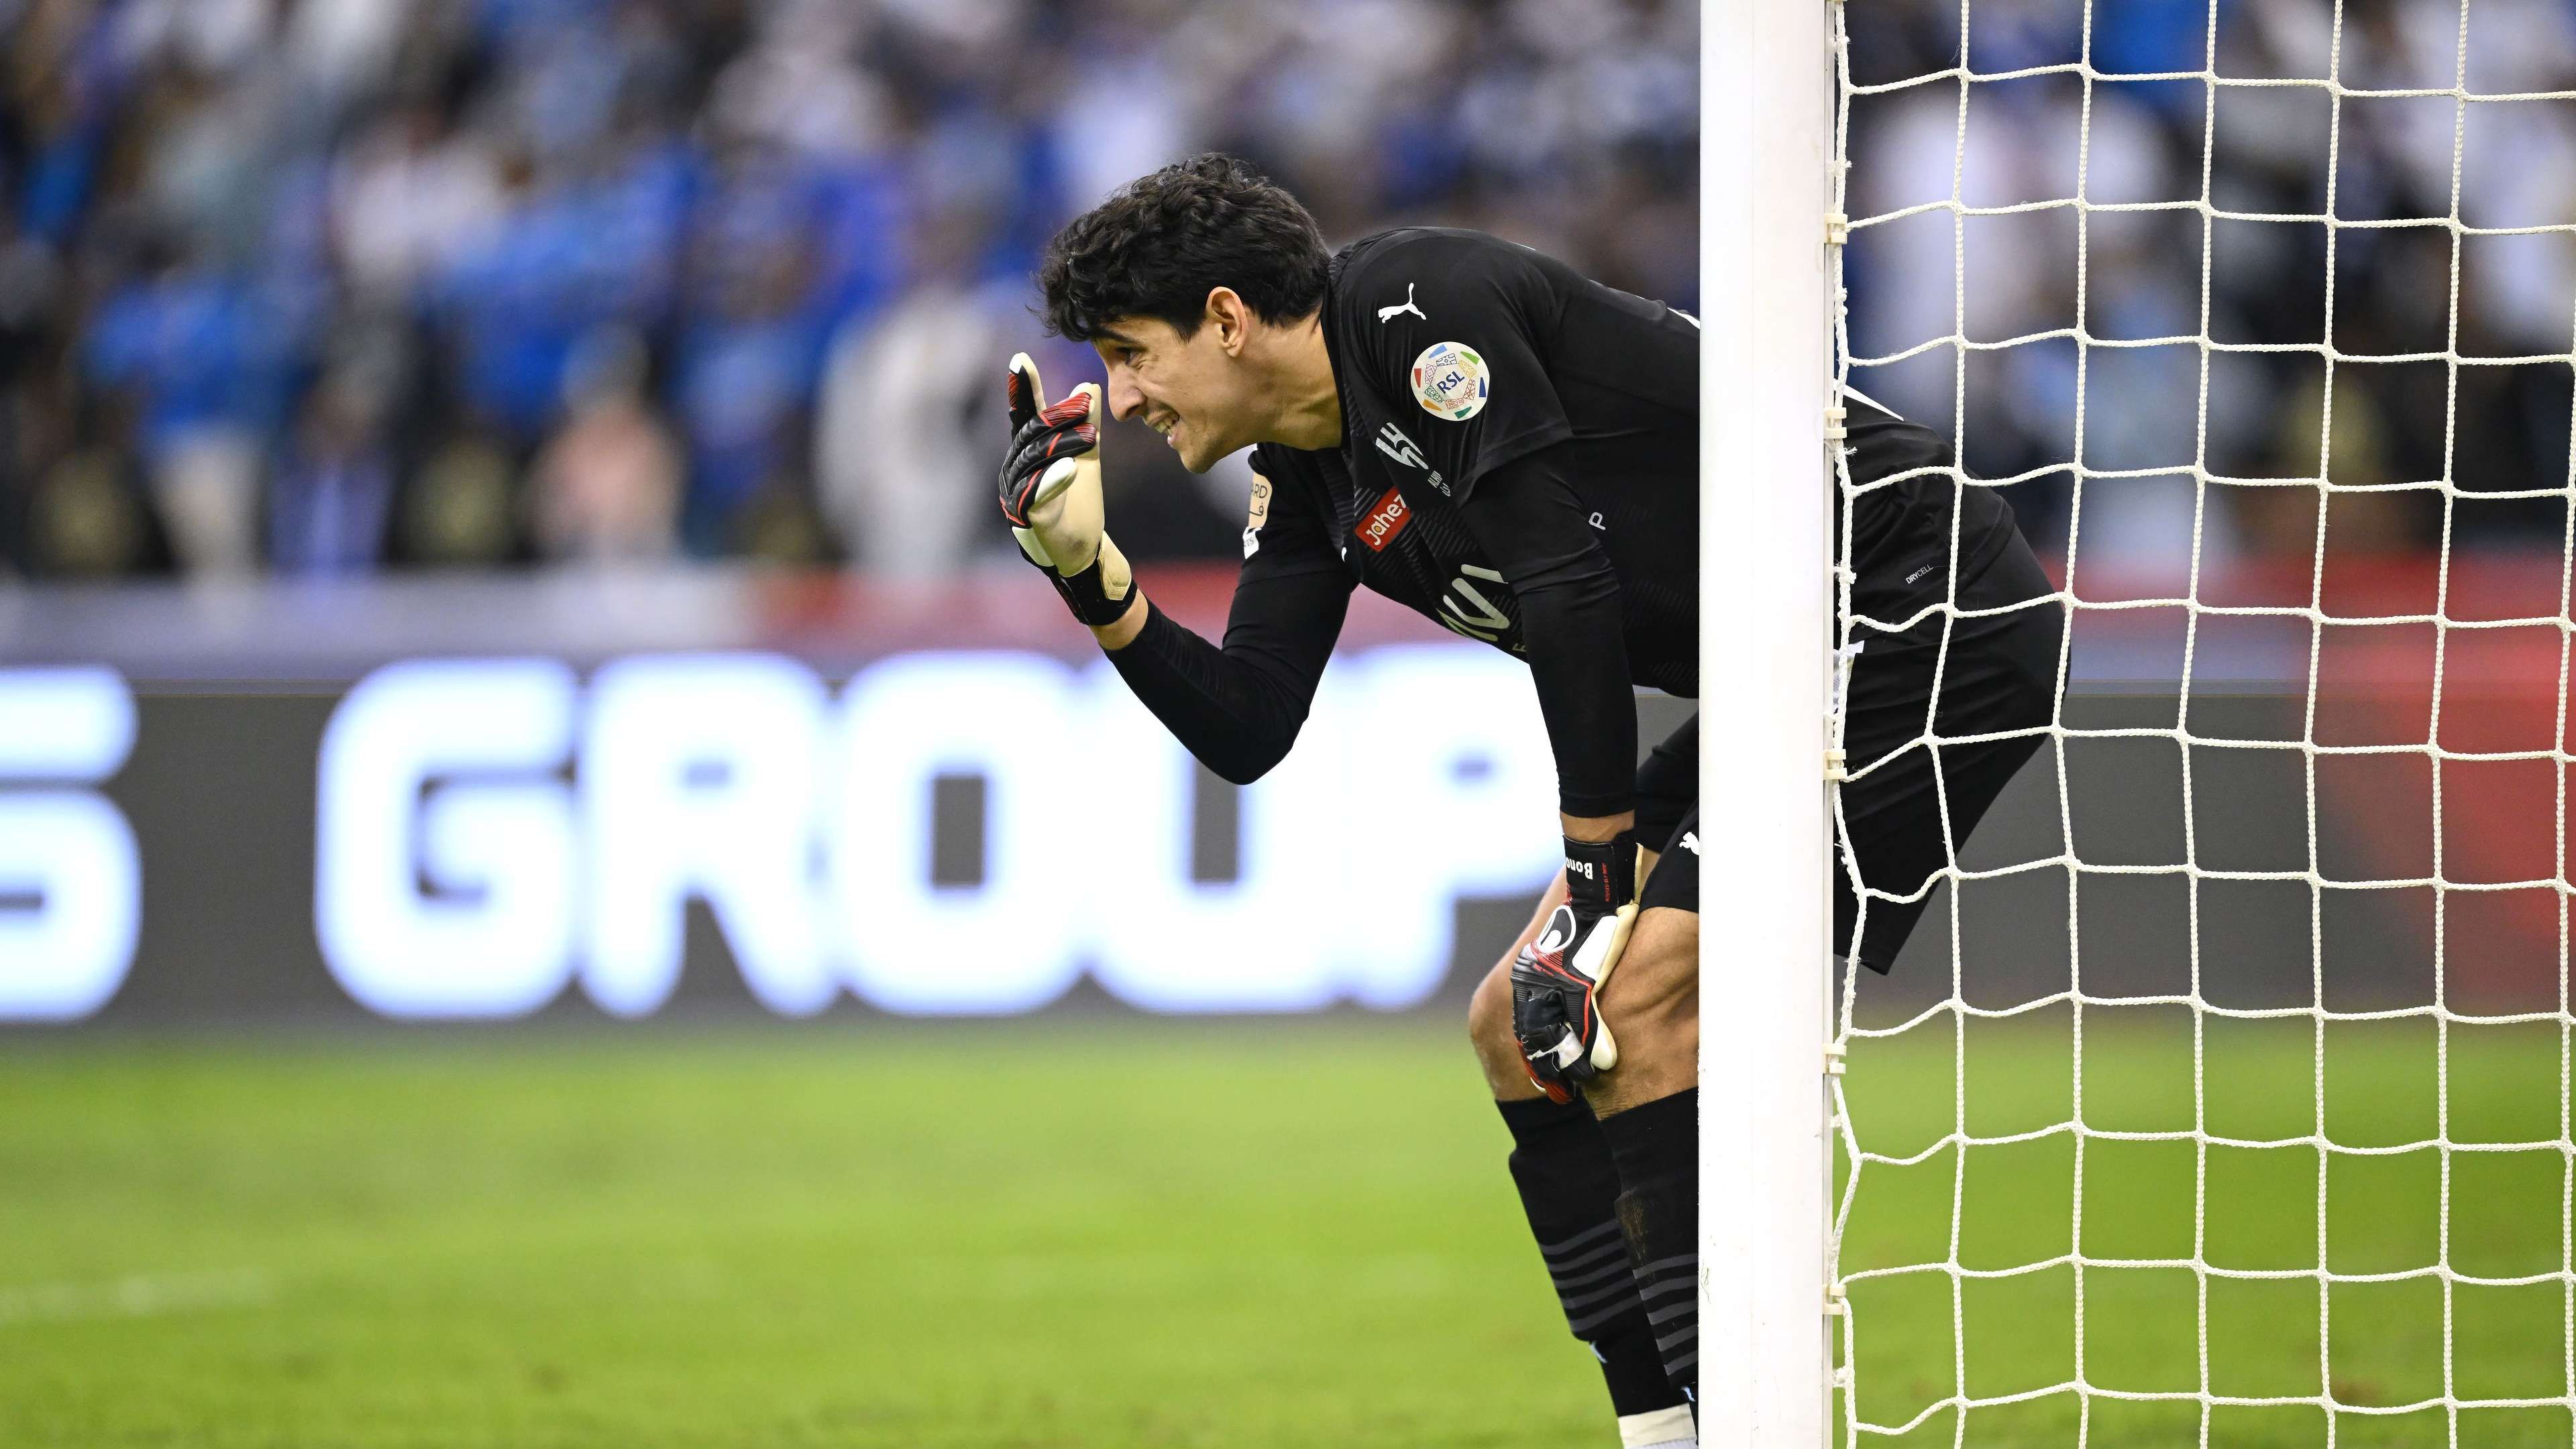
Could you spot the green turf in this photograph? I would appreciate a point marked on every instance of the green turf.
(1144, 1236)
(994, 1237)
(2142, 1325)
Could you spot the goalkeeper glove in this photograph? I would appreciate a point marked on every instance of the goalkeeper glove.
(1051, 495)
(1558, 976)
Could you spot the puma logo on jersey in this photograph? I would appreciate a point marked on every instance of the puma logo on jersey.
(1690, 841)
(1389, 314)
(1392, 442)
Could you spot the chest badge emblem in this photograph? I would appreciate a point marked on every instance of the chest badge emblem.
(1450, 381)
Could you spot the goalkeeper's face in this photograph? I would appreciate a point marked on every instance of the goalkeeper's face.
(1198, 391)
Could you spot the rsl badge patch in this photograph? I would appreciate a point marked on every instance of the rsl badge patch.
(1450, 381)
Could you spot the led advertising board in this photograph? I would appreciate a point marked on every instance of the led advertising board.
(966, 832)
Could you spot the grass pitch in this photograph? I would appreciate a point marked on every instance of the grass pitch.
(1141, 1236)
(948, 1236)
(2377, 1343)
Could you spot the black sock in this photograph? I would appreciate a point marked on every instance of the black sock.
(1570, 1190)
(1657, 1149)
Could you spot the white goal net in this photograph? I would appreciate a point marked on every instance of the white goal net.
(2221, 1094)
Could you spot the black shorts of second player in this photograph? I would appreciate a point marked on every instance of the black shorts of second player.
(2000, 675)
(1668, 819)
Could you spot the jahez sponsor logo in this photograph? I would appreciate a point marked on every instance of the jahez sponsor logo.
(1384, 521)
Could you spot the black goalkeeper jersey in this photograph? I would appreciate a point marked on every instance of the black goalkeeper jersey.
(1519, 462)
(1457, 354)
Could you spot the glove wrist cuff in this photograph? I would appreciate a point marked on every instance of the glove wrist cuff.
(1601, 874)
(1089, 595)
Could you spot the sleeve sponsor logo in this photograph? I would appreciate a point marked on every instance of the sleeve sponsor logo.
(1450, 381)
(1384, 521)
(1392, 442)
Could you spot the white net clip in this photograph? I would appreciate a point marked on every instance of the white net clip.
(1833, 1059)
(1835, 432)
(1834, 765)
(1837, 228)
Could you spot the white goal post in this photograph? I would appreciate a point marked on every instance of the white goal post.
(2362, 223)
(1765, 530)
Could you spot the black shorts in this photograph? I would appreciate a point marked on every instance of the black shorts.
(2001, 675)
(1668, 819)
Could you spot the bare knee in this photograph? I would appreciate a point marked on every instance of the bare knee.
(1489, 1011)
(1489, 1026)
(1651, 1006)
(1657, 981)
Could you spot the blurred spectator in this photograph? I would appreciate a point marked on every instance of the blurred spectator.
(2012, 278)
(911, 407)
(608, 486)
(410, 199)
(193, 349)
(200, 199)
(780, 527)
(328, 510)
(87, 518)
(461, 511)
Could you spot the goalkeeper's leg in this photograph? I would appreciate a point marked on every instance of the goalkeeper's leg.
(1569, 1187)
(1649, 1105)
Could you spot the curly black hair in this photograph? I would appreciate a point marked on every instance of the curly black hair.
(1162, 242)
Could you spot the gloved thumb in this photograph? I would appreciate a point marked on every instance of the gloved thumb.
(1027, 392)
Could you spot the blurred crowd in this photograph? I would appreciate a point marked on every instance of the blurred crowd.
(2392, 291)
(311, 287)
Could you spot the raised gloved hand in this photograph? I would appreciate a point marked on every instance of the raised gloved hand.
(1051, 495)
(1559, 974)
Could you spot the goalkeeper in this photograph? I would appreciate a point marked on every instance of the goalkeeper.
(1476, 431)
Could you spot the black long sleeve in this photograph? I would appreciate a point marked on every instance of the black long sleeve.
(1238, 708)
(1529, 520)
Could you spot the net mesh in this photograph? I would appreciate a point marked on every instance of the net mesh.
(2285, 1273)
